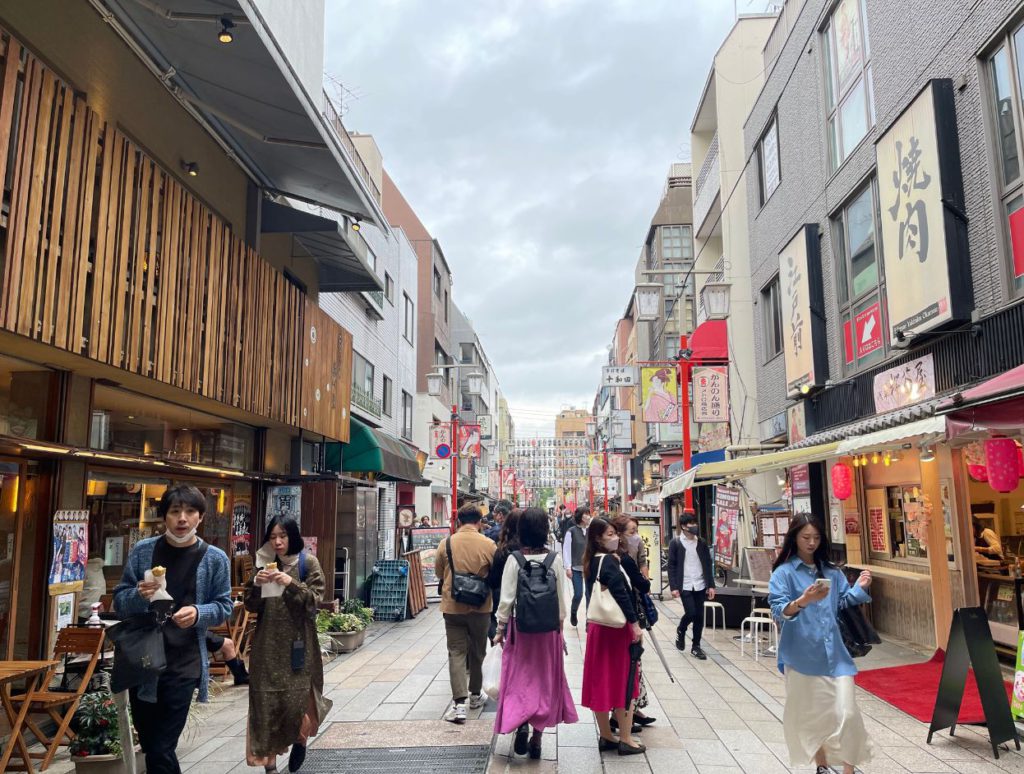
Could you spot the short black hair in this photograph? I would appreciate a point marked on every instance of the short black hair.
(687, 518)
(502, 506)
(183, 495)
(291, 529)
(470, 514)
(533, 528)
(580, 513)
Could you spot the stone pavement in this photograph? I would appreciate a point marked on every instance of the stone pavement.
(722, 715)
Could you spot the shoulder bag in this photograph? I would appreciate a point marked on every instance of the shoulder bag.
(467, 588)
(603, 608)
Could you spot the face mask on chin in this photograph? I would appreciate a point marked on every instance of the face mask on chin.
(185, 539)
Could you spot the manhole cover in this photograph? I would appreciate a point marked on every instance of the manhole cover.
(423, 760)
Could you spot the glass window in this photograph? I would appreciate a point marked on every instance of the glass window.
(676, 244)
(446, 306)
(386, 397)
(409, 320)
(389, 288)
(25, 399)
(771, 309)
(847, 79)
(768, 160)
(437, 283)
(406, 415)
(362, 374)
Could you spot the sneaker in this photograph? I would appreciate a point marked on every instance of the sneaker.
(477, 700)
(456, 713)
(680, 641)
(698, 654)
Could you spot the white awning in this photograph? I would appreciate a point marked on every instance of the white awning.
(679, 483)
(930, 429)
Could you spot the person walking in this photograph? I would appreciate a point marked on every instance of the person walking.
(468, 554)
(198, 578)
(286, 692)
(573, 547)
(691, 577)
(508, 542)
(499, 513)
(534, 690)
(606, 664)
(821, 720)
(633, 544)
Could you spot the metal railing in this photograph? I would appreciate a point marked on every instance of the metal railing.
(709, 183)
(365, 400)
(334, 118)
(705, 168)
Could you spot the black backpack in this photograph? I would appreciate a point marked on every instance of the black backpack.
(536, 595)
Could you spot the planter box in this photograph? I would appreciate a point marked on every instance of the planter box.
(108, 764)
(346, 642)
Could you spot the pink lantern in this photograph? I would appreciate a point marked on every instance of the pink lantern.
(1003, 464)
(842, 480)
(977, 472)
(1020, 461)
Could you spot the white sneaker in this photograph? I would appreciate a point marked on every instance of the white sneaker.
(477, 700)
(456, 713)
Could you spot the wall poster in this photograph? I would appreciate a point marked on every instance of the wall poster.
(241, 525)
(727, 511)
(659, 389)
(285, 501)
(70, 551)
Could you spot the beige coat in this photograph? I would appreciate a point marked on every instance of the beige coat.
(473, 553)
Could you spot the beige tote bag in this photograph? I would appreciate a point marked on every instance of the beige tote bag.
(603, 609)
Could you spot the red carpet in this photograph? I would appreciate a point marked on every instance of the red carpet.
(913, 688)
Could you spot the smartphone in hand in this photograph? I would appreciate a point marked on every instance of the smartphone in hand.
(825, 583)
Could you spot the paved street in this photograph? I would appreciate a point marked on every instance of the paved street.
(723, 715)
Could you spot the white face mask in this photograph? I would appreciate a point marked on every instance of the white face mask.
(611, 544)
(180, 541)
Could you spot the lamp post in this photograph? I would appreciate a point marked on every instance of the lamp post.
(604, 464)
(435, 380)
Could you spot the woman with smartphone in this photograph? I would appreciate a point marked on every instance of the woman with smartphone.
(821, 721)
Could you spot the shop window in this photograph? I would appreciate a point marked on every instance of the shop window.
(768, 172)
(409, 319)
(848, 90)
(129, 423)
(897, 521)
(25, 399)
(859, 279)
(1005, 86)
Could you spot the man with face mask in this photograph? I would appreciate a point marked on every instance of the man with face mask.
(692, 579)
(573, 547)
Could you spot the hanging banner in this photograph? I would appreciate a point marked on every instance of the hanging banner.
(492, 482)
(241, 526)
(803, 312)
(924, 236)
(510, 480)
(711, 394)
(70, 551)
(595, 464)
(486, 422)
(469, 441)
(659, 389)
(727, 511)
(285, 501)
(618, 376)
(441, 441)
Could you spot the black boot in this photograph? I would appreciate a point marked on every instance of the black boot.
(296, 757)
(237, 667)
(680, 640)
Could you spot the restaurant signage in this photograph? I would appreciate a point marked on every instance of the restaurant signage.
(803, 313)
(711, 394)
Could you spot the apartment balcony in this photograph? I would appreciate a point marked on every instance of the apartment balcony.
(364, 400)
(334, 118)
(707, 201)
(374, 303)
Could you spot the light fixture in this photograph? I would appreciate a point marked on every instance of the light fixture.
(887, 459)
(780, 480)
(225, 35)
(357, 225)
(715, 297)
(190, 168)
(927, 453)
(434, 381)
(875, 458)
(856, 462)
(805, 388)
(475, 383)
(863, 460)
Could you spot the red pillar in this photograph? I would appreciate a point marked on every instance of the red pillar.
(455, 467)
(684, 410)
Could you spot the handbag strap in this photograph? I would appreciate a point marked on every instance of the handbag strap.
(451, 561)
(192, 570)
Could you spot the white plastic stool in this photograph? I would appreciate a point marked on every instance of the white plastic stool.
(714, 608)
(761, 612)
(754, 626)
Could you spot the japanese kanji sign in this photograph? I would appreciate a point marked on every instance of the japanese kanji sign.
(711, 394)
(618, 376)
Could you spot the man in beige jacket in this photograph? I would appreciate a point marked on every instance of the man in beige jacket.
(465, 627)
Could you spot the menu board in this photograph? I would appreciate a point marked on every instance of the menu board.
(876, 529)
(759, 563)
(426, 540)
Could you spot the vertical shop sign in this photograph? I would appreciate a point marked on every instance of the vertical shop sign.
(727, 511)
(659, 388)
(924, 235)
(469, 441)
(241, 525)
(70, 551)
(803, 313)
(800, 480)
(876, 529)
(711, 394)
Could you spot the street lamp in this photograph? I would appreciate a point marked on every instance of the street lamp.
(434, 381)
(715, 296)
(654, 460)
(475, 383)
(648, 301)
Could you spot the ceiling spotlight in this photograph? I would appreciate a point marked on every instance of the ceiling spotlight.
(805, 388)
(927, 453)
(190, 168)
(225, 35)
(874, 458)
(356, 225)
(863, 460)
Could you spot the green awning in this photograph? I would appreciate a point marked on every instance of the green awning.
(373, 451)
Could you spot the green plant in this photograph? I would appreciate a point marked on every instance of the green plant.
(98, 728)
(327, 621)
(355, 607)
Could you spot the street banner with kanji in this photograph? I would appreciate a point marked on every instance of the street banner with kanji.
(711, 394)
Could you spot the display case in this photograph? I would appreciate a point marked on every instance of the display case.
(1000, 598)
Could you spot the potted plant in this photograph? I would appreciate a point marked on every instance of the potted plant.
(347, 630)
(96, 748)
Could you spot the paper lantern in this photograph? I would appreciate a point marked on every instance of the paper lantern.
(977, 472)
(842, 480)
(1003, 465)
(1020, 462)
(975, 453)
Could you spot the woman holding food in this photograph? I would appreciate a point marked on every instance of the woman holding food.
(286, 701)
(821, 720)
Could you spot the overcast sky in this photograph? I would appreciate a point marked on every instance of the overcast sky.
(532, 137)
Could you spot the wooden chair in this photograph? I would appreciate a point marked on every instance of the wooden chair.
(60, 706)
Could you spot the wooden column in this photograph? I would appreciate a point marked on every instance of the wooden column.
(938, 565)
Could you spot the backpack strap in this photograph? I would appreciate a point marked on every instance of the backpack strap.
(549, 560)
(520, 559)
(302, 566)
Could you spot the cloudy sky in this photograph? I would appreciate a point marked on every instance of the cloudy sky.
(533, 138)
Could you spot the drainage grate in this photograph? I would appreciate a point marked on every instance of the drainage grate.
(422, 760)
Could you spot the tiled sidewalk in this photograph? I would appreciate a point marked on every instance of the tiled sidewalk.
(722, 715)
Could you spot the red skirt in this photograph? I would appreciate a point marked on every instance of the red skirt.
(606, 668)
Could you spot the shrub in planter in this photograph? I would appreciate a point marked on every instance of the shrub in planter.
(346, 630)
(97, 728)
(355, 607)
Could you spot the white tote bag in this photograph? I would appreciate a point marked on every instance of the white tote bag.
(603, 609)
(492, 671)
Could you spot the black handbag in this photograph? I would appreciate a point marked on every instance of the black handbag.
(858, 635)
(139, 654)
(467, 589)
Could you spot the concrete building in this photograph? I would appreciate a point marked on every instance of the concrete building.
(571, 462)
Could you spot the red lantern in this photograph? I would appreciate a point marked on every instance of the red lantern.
(977, 472)
(842, 480)
(1003, 465)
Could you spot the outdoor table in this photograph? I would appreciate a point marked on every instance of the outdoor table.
(757, 588)
(10, 672)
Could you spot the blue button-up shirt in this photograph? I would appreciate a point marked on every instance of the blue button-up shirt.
(810, 641)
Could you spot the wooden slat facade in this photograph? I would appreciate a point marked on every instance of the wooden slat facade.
(107, 255)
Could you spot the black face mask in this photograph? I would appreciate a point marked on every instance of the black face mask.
(692, 530)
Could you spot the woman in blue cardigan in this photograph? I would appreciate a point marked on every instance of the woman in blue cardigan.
(199, 582)
(821, 720)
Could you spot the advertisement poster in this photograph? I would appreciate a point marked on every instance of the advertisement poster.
(876, 529)
(426, 540)
(241, 524)
(65, 610)
(800, 480)
(311, 545)
(70, 551)
(595, 464)
(869, 331)
(469, 441)
(113, 552)
(1017, 700)
(727, 511)
(285, 501)
(711, 394)
(649, 530)
(659, 390)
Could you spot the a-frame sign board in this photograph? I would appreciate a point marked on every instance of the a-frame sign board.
(971, 646)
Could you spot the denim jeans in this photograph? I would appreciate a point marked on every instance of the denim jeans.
(577, 590)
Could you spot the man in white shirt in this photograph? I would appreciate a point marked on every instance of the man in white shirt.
(692, 579)
(573, 546)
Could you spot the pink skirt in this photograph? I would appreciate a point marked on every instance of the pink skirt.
(533, 685)
(606, 668)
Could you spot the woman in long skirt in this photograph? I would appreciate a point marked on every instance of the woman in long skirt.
(534, 692)
(286, 701)
(821, 721)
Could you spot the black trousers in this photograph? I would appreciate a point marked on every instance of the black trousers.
(693, 612)
(160, 723)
